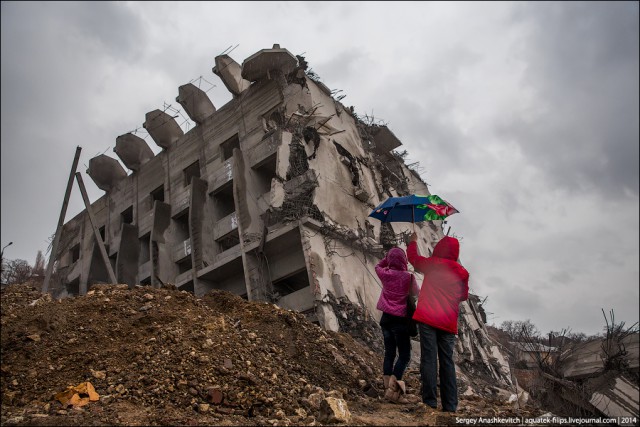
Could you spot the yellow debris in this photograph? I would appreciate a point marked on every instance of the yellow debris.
(79, 395)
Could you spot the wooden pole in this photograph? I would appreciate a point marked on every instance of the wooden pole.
(63, 212)
(96, 232)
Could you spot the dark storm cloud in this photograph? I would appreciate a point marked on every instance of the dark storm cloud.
(583, 68)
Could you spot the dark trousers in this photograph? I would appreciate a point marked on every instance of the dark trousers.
(396, 337)
(436, 349)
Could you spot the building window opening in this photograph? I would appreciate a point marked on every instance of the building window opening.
(265, 173)
(145, 249)
(223, 201)
(226, 148)
(191, 171)
(75, 253)
(146, 281)
(127, 215)
(229, 241)
(184, 265)
(291, 283)
(73, 287)
(157, 194)
(102, 233)
(182, 226)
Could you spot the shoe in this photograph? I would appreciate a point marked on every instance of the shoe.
(396, 391)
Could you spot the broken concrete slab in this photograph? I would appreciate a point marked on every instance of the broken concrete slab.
(163, 128)
(260, 65)
(105, 171)
(133, 151)
(230, 72)
(618, 399)
(383, 138)
(195, 102)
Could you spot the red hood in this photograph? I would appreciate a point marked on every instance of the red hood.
(448, 248)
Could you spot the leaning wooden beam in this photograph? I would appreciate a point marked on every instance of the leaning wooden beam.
(63, 212)
(96, 232)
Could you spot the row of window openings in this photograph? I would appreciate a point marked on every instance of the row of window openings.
(226, 242)
(224, 199)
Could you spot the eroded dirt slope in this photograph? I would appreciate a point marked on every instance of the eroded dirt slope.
(165, 357)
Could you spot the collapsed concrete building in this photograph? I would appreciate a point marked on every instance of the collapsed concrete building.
(266, 197)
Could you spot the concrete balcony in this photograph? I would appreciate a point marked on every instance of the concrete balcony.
(184, 278)
(181, 251)
(227, 263)
(222, 176)
(145, 221)
(74, 271)
(299, 300)
(144, 270)
(114, 245)
(225, 226)
(180, 201)
(266, 149)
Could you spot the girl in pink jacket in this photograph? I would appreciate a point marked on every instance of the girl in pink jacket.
(397, 284)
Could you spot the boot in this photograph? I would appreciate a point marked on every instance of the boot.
(396, 390)
(385, 381)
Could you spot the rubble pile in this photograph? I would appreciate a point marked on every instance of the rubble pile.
(161, 348)
(164, 357)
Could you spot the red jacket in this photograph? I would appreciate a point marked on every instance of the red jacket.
(445, 284)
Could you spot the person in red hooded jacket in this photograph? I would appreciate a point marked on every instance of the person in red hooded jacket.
(445, 285)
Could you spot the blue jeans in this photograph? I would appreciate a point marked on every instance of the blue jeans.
(396, 337)
(436, 348)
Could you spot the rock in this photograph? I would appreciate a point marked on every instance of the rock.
(333, 410)
(203, 408)
(314, 400)
(215, 395)
(101, 375)
(335, 393)
(145, 307)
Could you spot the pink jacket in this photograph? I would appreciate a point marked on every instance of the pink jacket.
(397, 282)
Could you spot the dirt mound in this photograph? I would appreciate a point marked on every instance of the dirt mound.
(172, 356)
(165, 357)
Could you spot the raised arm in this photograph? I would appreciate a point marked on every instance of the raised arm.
(413, 255)
(384, 262)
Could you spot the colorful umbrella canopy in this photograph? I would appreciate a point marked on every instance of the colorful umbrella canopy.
(414, 208)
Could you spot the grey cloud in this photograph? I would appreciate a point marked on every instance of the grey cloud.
(583, 68)
(563, 277)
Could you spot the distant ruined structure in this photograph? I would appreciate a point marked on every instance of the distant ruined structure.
(266, 197)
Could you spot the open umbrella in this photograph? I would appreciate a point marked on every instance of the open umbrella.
(414, 208)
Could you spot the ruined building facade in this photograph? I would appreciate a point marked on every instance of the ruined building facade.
(267, 197)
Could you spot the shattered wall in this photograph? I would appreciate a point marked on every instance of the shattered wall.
(267, 197)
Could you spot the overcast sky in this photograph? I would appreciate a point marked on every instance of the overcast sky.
(523, 115)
